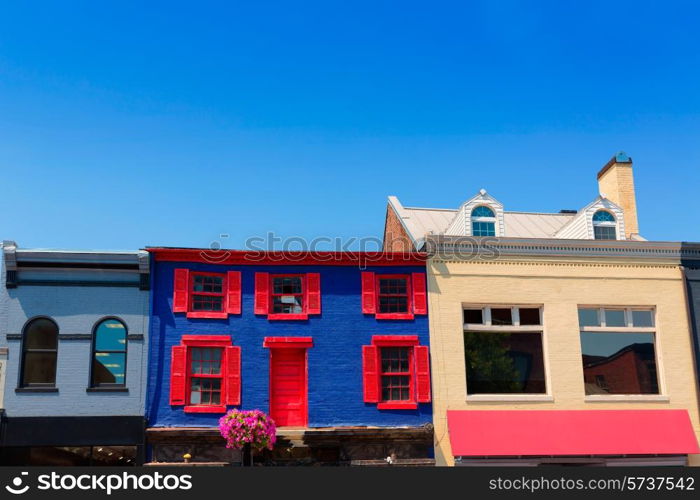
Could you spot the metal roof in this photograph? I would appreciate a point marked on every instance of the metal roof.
(423, 221)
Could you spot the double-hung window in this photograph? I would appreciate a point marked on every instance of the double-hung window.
(396, 372)
(394, 296)
(206, 294)
(287, 296)
(503, 350)
(618, 348)
(205, 374)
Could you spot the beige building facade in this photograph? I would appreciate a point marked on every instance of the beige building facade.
(638, 286)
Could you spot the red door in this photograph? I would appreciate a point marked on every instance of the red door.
(288, 406)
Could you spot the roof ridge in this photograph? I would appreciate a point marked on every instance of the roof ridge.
(536, 213)
(433, 209)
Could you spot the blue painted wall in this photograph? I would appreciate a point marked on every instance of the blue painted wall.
(75, 309)
(334, 362)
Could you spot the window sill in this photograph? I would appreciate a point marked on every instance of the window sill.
(292, 317)
(631, 398)
(394, 316)
(510, 398)
(205, 409)
(37, 389)
(207, 315)
(397, 406)
(107, 389)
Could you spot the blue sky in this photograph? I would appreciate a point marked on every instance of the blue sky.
(169, 123)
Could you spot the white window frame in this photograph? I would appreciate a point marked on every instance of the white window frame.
(493, 220)
(605, 223)
(628, 328)
(516, 327)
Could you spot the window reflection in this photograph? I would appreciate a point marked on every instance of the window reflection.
(504, 363)
(619, 363)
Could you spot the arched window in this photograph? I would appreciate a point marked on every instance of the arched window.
(483, 221)
(39, 353)
(109, 354)
(604, 226)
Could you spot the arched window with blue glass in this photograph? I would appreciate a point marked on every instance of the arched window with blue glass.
(483, 221)
(109, 354)
(604, 226)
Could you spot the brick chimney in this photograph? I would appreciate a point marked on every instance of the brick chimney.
(616, 183)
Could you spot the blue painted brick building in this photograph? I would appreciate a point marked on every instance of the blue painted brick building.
(333, 345)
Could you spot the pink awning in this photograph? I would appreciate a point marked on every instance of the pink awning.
(571, 432)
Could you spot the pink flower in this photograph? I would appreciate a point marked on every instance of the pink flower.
(248, 427)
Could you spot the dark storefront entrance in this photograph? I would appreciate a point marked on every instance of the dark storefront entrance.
(72, 441)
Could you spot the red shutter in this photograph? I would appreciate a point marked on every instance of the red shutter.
(233, 284)
(370, 373)
(233, 375)
(262, 293)
(313, 293)
(420, 303)
(368, 293)
(178, 375)
(422, 356)
(181, 290)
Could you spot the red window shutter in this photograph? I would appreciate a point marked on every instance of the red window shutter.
(181, 290)
(370, 373)
(313, 293)
(422, 356)
(233, 375)
(368, 293)
(420, 302)
(233, 295)
(178, 375)
(262, 293)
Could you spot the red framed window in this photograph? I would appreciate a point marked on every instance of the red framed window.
(207, 292)
(287, 296)
(207, 295)
(205, 374)
(394, 296)
(396, 372)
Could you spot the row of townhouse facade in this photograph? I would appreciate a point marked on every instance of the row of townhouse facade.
(478, 336)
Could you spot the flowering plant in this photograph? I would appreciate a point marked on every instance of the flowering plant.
(255, 428)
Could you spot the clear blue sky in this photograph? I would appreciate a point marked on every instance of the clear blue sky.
(168, 123)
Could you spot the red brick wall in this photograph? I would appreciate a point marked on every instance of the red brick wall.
(395, 237)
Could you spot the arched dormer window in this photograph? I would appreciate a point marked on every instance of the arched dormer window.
(604, 225)
(483, 221)
(109, 354)
(39, 353)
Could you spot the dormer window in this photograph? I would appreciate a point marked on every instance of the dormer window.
(604, 225)
(483, 221)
